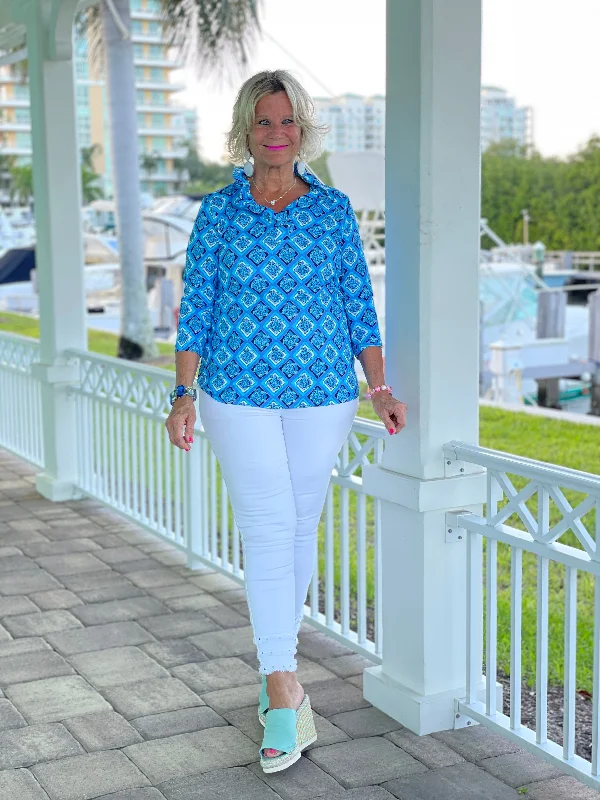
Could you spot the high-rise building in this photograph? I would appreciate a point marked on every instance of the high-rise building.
(356, 124)
(501, 118)
(163, 126)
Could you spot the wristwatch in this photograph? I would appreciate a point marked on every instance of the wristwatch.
(181, 390)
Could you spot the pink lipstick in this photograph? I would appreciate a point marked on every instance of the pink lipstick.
(276, 147)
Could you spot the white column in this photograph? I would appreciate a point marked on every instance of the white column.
(432, 307)
(59, 250)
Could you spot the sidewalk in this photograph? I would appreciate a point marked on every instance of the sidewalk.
(126, 676)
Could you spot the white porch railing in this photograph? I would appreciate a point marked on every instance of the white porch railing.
(126, 461)
(537, 538)
(20, 398)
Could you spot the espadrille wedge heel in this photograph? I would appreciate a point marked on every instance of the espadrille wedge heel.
(263, 702)
(289, 731)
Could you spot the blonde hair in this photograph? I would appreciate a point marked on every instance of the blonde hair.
(270, 82)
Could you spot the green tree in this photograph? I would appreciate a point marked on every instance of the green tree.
(89, 185)
(21, 185)
(149, 163)
(321, 169)
(212, 35)
(562, 195)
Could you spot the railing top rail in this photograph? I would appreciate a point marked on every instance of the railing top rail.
(18, 337)
(121, 364)
(540, 471)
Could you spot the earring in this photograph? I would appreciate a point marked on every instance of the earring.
(301, 167)
(248, 165)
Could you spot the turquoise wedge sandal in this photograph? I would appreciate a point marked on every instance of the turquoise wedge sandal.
(289, 731)
(263, 702)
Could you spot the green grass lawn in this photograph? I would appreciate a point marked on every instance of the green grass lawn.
(98, 341)
(554, 441)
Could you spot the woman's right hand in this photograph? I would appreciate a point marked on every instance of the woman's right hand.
(180, 422)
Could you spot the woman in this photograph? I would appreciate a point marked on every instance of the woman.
(277, 303)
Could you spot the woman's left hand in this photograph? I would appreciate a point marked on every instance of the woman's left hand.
(392, 412)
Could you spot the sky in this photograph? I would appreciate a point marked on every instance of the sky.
(543, 52)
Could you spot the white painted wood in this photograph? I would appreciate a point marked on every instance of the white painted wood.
(56, 175)
(329, 566)
(541, 678)
(516, 613)
(596, 679)
(570, 683)
(473, 609)
(491, 628)
(432, 310)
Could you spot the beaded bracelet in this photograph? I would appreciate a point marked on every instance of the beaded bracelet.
(381, 388)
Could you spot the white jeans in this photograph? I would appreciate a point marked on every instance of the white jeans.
(277, 464)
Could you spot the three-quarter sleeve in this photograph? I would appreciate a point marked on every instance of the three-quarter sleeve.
(199, 279)
(356, 288)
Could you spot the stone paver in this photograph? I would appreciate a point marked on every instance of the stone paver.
(364, 722)
(220, 784)
(334, 696)
(425, 749)
(104, 731)
(10, 717)
(517, 769)
(564, 788)
(117, 666)
(98, 637)
(152, 694)
(88, 776)
(461, 782)
(120, 610)
(173, 652)
(171, 723)
(27, 581)
(476, 743)
(55, 598)
(191, 753)
(56, 699)
(142, 698)
(31, 666)
(16, 604)
(178, 624)
(220, 673)
(41, 623)
(134, 794)
(232, 642)
(19, 784)
(361, 762)
(23, 747)
(304, 780)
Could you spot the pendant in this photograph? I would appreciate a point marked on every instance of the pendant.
(272, 202)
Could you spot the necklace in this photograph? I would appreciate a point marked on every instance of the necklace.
(272, 202)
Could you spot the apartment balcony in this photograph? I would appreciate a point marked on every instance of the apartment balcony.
(167, 177)
(16, 102)
(149, 38)
(147, 131)
(19, 127)
(163, 108)
(9, 150)
(160, 86)
(159, 62)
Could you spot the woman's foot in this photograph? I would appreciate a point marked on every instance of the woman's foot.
(284, 692)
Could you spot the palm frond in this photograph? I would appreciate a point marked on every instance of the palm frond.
(88, 24)
(218, 35)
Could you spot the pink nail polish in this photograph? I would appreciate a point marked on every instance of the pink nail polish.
(391, 430)
(191, 438)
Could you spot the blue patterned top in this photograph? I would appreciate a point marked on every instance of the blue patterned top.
(277, 304)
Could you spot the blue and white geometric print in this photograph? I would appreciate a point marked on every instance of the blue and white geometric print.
(277, 304)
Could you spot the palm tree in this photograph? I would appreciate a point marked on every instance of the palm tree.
(87, 155)
(179, 167)
(149, 163)
(89, 185)
(210, 34)
(21, 185)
